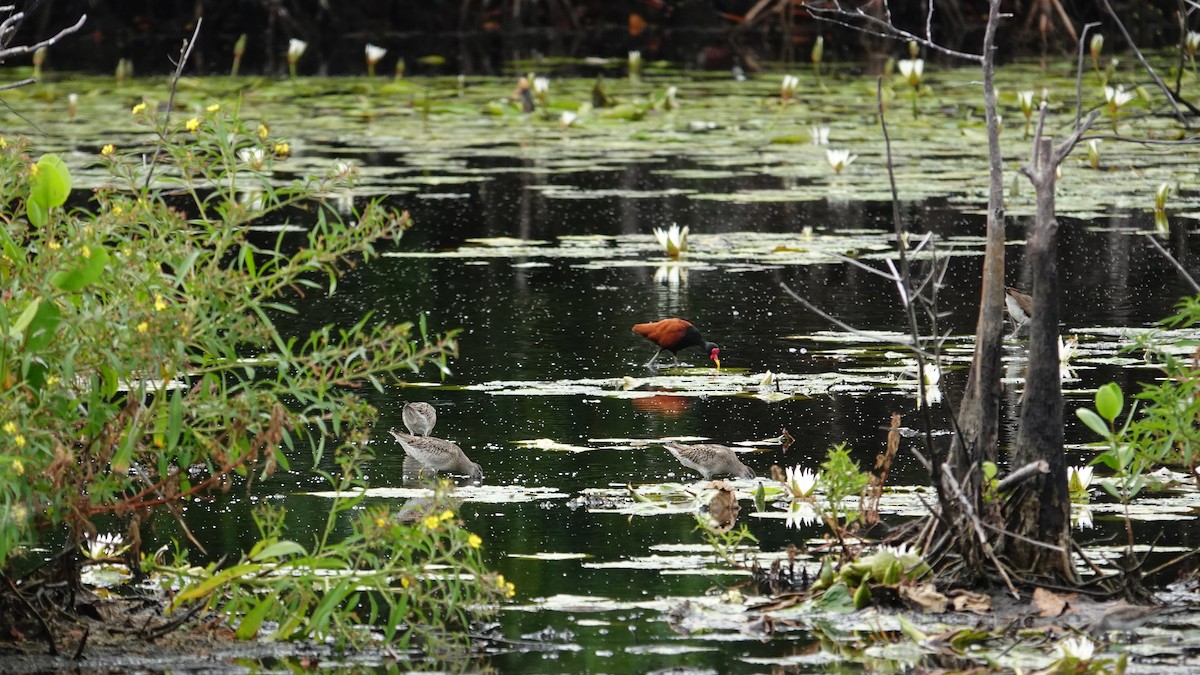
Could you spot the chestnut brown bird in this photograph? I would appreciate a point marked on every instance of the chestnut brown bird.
(709, 459)
(673, 335)
(1019, 306)
(437, 455)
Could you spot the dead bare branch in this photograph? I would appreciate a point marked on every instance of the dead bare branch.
(10, 24)
(1149, 69)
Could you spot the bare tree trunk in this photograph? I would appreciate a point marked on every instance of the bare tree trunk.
(979, 412)
(1040, 509)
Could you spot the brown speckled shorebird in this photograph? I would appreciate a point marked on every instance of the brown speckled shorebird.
(419, 418)
(709, 459)
(438, 455)
(1019, 306)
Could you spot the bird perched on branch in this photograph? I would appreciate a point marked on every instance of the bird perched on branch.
(1019, 306)
(709, 459)
(437, 455)
(673, 335)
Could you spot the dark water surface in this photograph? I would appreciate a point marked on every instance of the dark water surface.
(563, 322)
(536, 318)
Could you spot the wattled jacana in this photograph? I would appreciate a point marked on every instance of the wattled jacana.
(709, 459)
(673, 335)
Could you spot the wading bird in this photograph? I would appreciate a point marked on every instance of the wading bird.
(674, 335)
(1019, 306)
(438, 455)
(709, 459)
(419, 418)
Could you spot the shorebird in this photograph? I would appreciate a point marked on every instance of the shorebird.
(419, 418)
(438, 455)
(709, 459)
(1019, 306)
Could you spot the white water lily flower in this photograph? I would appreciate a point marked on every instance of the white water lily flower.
(819, 134)
(1067, 348)
(1080, 649)
(103, 546)
(344, 169)
(767, 380)
(931, 373)
(1081, 517)
(568, 118)
(541, 85)
(253, 157)
(374, 54)
(635, 59)
(1117, 97)
(1025, 98)
(672, 239)
(1191, 43)
(839, 159)
(295, 49)
(912, 70)
(788, 88)
(672, 101)
(801, 482)
(1079, 478)
(802, 513)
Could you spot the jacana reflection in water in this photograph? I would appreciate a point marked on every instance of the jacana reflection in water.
(673, 335)
(709, 459)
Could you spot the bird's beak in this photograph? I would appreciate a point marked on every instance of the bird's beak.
(718, 362)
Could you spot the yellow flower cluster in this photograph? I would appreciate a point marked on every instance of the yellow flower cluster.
(474, 541)
(139, 108)
(192, 124)
(283, 149)
(18, 440)
(159, 303)
(508, 587)
(213, 108)
(108, 150)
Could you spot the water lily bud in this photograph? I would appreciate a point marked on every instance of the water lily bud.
(1096, 46)
(239, 47)
(1191, 43)
(1093, 152)
(818, 49)
(913, 49)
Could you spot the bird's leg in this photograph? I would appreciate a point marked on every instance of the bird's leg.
(676, 359)
(650, 363)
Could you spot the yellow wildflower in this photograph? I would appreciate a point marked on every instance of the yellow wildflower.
(143, 327)
(159, 303)
(380, 521)
(213, 108)
(282, 149)
(474, 541)
(108, 150)
(431, 522)
(263, 131)
(3, 143)
(33, 170)
(446, 515)
(19, 441)
(500, 580)
(53, 245)
(192, 124)
(18, 466)
(117, 210)
(139, 108)
(52, 380)
(404, 582)
(86, 251)
(10, 427)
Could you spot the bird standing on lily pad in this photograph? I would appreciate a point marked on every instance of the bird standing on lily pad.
(673, 335)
